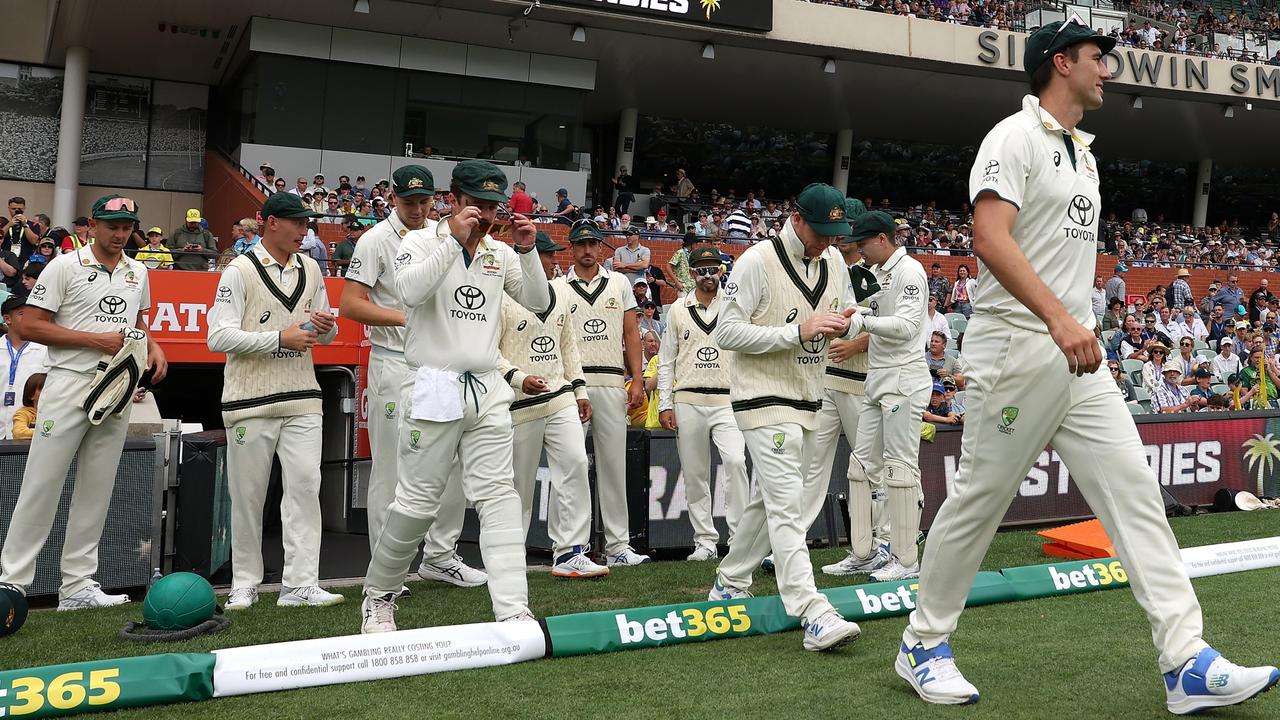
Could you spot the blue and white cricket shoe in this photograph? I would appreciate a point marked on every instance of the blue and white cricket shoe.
(767, 564)
(830, 630)
(934, 675)
(1209, 680)
(720, 591)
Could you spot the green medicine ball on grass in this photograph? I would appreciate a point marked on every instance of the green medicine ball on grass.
(178, 602)
(13, 609)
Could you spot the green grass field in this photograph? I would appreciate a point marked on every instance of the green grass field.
(1078, 656)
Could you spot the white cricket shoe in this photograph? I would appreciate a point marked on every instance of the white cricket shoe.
(576, 564)
(720, 591)
(378, 614)
(453, 571)
(241, 599)
(520, 617)
(934, 675)
(89, 598)
(626, 558)
(829, 631)
(702, 552)
(1209, 680)
(854, 565)
(310, 596)
(895, 571)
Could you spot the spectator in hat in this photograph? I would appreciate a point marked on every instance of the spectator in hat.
(683, 186)
(80, 235)
(1201, 388)
(1158, 354)
(267, 176)
(1115, 286)
(632, 259)
(345, 249)
(1257, 299)
(938, 411)
(318, 186)
(564, 209)
(45, 251)
(1114, 318)
(952, 397)
(1168, 394)
(939, 286)
(249, 237)
(195, 242)
(155, 254)
(640, 289)
(1180, 291)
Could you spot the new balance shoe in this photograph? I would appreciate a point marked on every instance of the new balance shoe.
(310, 596)
(576, 564)
(854, 565)
(405, 592)
(829, 631)
(627, 557)
(720, 591)
(378, 614)
(520, 617)
(453, 571)
(934, 675)
(702, 552)
(89, 598)
(1209, 680)
(767, 563)
(241, 599)
(895, 571)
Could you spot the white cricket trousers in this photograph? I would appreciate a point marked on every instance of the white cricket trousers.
(608, 428)
(774, 518)
(1019, 402)
(888, 448)
(482, 442)
(697, 426)
(297, 440)
(69, 435)
(840, 412)
(569, 513)
(390, 379)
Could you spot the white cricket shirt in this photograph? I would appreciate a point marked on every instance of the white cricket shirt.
(373, 265)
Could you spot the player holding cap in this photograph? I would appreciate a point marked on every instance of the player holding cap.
(79, 308)
(898, 384)
(781, 305)
(1035, 188)
(271, 307)
(453, 281)
(540, 361)
(602, 310)
(371, 298)
(693, 399)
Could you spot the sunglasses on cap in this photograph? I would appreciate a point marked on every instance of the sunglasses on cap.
(706, 271)
(119, 204)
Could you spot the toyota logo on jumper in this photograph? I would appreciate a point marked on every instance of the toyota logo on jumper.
(469, 297)
(708, 354)
(594, 326)
(111, 304)
(224, 291)
(542, 344)
(1081, 211)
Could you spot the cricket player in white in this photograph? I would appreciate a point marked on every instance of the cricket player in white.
(270, 308)
(602, 313)
(898, 385)
(778, 365)
(1035, 187)
(453, 282)
(370, 297)
(693, 400)
(79, 308)
(540, 361)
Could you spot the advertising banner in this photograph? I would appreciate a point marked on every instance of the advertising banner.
(354, 658)
(739, 14)
(59, 690)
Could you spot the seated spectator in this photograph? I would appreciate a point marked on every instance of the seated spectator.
(249, 238)
(938, 410)
(937, 321)
(1266, 387)
(1123, 384)
(1239, 397)
(1187, 359)
(24, 420)
(648, 318)
(196, 243)
(266, 174)
(1168, 394)
(45, 251)
(1226, 363)
(1190, 325)
(953, 399)
(940, 363)
(332, 210)
(632, 259)
(30, 274)
(155, 255)
(640, 289)
(1158, 353)
(1200, 389)
(280, 185)
(1114, 318)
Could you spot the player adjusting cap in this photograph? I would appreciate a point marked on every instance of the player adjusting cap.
(286, 205)
(585, 232)
(115, 207)
(870, 224)
(481, 180)
(544, 244)
(1057, 36)
(822, 207)
(413, 180)
(704, 255)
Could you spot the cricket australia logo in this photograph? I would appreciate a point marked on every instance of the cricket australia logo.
(389, 410)
(415, 437)
(46, 428)
(778, 440)
(240, 431)
(1008, 416)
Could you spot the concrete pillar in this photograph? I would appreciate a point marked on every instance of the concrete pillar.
(840, 173)
(1200, 208)
(626, 146)
(66, 182)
